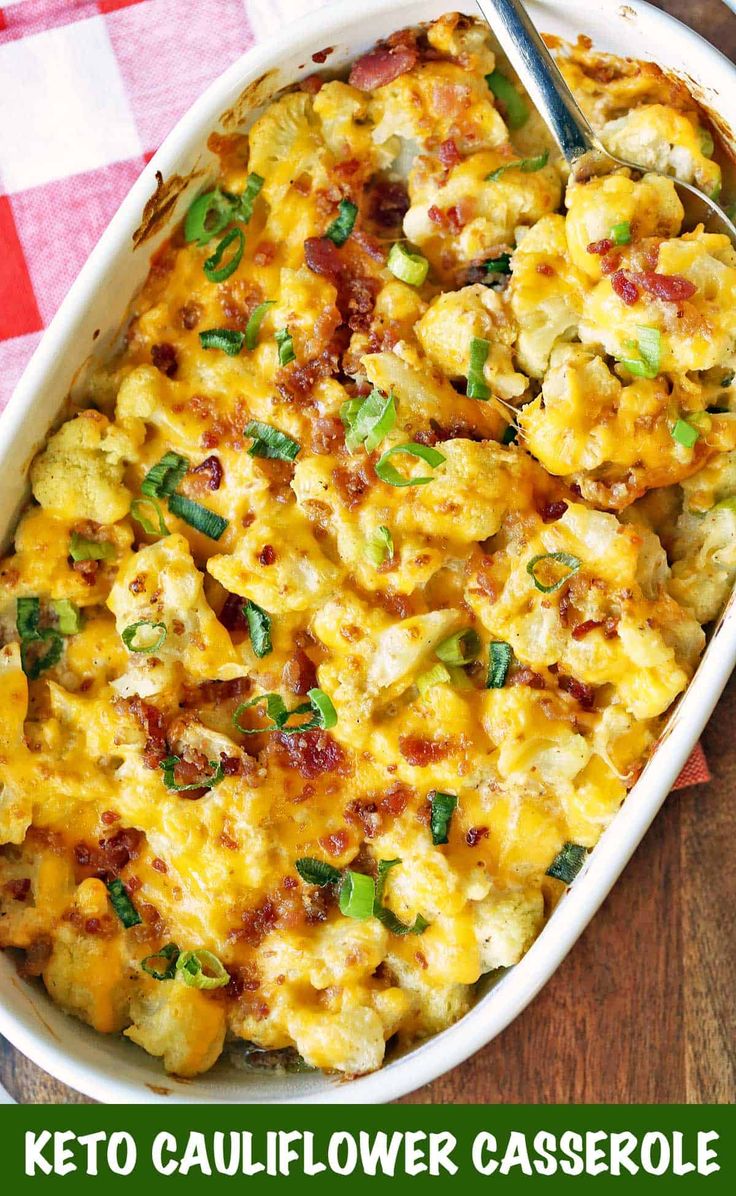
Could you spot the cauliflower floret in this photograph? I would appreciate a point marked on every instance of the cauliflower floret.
(180, 1024)
(467, 41)
(660, 138)
(537, 745)
(348, 133)
(450, 323)
(506, 925)
(79, 474)
(16, 804)
(704, 544)
(545, 295)
(306, 305)
(351, 1041)
(286, 142)
(651, 208)
(86, 974)
(434, 102)
(487, 211)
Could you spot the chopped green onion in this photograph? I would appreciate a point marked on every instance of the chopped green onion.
(227, 339)
(82, 549)
(208, 215)
(527, 165)
(357, 895)
(168, 766)
(477, 388)
(437, 675)
(168, 955)
(384, 867)
(621, 233)
(68, 617)
(201, 969)
(716, 192)
(380, 547)
(408, 267)
(259, 626)
(212, 268)
(341, 228)
(443, 806)
(253, 185)
(685, 434)
(500, 656)
(200, 518)
(567, 863)
(269, 442)
(275, 710)
(510, 434)
(386, 916)
(255, 320)
(368, 421)
(163, 478)
(138, 506)
(727, 379)
(499, 265)
(28, 614)
(317, 872)
(286, 346)
(27, 617)
(324, 715)
(569, 562)
(707, 144)
(391, 476)
(516, 110)
(650, 352)
(460, 648)
(726, 504)
(130, 634)
(121, 903)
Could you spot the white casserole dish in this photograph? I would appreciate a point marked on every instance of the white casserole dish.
(109, 1068)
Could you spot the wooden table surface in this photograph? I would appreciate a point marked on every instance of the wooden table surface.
(643, 1008)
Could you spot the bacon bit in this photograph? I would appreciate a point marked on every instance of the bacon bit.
(190, 315)
(264, 253)
(449, 154)
(673, 288)
(159, 864)
(299, 674)
(389, 203)
(118, 851)
(312, 84)
(610, 628)
(526, 676)
(109, 816)
(267, 555)
(335, 843)
(435, 215)
(87, 570)
(382, 66)
(323, 257)
(421, 959)
(212, 468)
(551, 511)
(258, 922)
(625, 288)
(565, 610)
(475, 834)
(365, 814)
(232, 766)
(165, 359)
(152, 721)
(582, 629)
(610, 262)
(601, 247)
(357, 299)
(232, 615)
(396, 800)
(317, 904)
(369, 245)
(583, 694)
(327, 433)
(19, 889)
(296, 381)
(351, 484)
(321, 56)
(93, 926)
(289, 882)
(312, 753)
(420, 752)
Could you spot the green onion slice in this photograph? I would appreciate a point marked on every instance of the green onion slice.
(317, 872)
(500, 656)
(286, 346)
(269, 442)
(163, 478)
(411, 268)
(357, 895)
(386, 916)
(443, 806)
(570, 563)
(707, 144)
(391, 476)
(200, 518)
(212, 268)
(650, 351)
(227, 339)
(621, 233)
(137, 509)
(437, 675)
(208, 215)
(460, 648)
(259, 626)
(27, 617)
(130, 634)
(121, 903)
(510, 434)
(527, 165)
(201, 969)
(69, 620)
(324, 715)
(499, 265)
(255, 320)
(34, 665)
(169, 764)
(477, 388)
(275, 710)
(253, 185)
(380, 546)
(685, 434)
(516, 110)
(341, 228)
(167, 957)
(82, 549)
(567, 863)
(368, 421)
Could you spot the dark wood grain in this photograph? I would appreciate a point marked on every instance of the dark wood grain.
(643, 1008)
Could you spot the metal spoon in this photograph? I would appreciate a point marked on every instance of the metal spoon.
(559, 109)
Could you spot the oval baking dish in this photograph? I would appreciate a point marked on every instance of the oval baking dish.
(85, 328)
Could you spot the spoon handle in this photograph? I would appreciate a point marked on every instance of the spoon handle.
(540, 75)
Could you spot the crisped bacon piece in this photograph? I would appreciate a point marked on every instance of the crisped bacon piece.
(625, 288)
(671, 287)
(382, 66)
(312, 753)
(583, 694)
(323, 257)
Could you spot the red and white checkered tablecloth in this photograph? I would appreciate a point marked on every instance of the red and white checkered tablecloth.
(88, 90)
